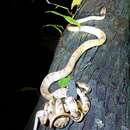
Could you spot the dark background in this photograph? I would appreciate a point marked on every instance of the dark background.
(28, 53)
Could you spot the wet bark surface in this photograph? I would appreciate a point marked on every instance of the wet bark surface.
(105, 68)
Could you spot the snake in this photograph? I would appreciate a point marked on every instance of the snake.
(55, 111)
(100, 40)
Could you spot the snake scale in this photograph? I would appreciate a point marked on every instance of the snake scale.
(55, 110)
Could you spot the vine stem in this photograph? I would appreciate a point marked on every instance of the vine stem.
(57, 6)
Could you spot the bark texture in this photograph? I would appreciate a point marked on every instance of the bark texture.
(105, 68)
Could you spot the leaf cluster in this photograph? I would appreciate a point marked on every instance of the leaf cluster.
(68, 18)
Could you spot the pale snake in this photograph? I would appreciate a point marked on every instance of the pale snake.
(78, 109)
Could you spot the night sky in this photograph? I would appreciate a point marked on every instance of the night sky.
(28, 53)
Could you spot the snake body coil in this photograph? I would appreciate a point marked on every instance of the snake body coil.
(101, 37)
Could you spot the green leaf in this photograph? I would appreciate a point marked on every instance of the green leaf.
(57, 27)
(67, 18)
(71, 20)
(26, 89)
(64, 82)
(75, 3)
(54, 12)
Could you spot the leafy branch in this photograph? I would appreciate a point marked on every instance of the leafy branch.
(59, 28)
(58, 6)
(69, 19)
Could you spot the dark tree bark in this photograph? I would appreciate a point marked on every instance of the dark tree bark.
(105, 68)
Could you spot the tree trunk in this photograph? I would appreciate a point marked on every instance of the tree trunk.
(105, 68)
